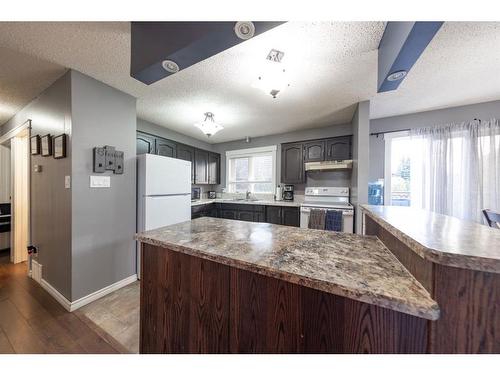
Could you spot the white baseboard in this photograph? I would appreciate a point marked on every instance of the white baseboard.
(72, 306)
(54, 293)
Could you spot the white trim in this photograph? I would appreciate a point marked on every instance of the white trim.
(72, 306)
(55, 293)
(387, 163)
(251, 151)
(13, 132)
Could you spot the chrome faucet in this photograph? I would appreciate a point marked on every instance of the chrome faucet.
(248, 195)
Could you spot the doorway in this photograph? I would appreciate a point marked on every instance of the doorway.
(14, 194)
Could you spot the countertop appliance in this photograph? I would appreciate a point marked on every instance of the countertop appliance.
(279, 193)
(328, 198)
(163, 193)
(212, 194)
(195, 193)
(288, 193)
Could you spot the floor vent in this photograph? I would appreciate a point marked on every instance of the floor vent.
(36, 271)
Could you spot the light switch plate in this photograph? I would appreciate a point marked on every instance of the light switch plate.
(100, 181)
(67, 182)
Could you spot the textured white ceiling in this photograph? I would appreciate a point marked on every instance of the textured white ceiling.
(21, 78)
(460, 66)
(332, 66)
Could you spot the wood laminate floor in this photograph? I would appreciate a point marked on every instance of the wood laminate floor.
(31, 321)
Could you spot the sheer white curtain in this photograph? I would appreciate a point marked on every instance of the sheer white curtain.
(456, 168)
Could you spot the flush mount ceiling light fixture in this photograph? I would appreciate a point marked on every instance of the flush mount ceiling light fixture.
(274, 78)
(209, 127)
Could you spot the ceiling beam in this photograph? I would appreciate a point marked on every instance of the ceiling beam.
(399, 49)
(184, 43)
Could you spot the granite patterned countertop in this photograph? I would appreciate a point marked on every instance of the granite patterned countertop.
(262, 202)
(348, 265)
(440, 238)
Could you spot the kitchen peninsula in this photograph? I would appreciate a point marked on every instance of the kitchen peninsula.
(223, 286)
(458, 262)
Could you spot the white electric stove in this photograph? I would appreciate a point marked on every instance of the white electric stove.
(328, 198)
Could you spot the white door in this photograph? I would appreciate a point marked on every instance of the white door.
(161, 211)
(166, 175)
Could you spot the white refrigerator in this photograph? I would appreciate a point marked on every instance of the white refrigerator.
(163, 193)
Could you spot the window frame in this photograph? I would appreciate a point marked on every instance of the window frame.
(388, 137)
(250, 152)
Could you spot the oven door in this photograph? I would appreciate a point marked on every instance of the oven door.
(347, 218)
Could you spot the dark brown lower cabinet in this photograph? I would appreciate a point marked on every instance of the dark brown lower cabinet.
(283, 215)
(192, 305)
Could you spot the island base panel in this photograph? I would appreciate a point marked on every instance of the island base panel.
(192, 305)
(469, 300)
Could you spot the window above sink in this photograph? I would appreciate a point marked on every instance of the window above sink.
(252, 170)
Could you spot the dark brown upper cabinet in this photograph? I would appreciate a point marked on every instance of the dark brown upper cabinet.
(145, 144)
(164, 147)
(213, 168)
(200, 166)
(339, 148)
(185, 152)
(314, 151)
(292, 163)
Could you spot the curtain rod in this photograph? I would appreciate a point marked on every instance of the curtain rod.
(390, 131)
(406, 130)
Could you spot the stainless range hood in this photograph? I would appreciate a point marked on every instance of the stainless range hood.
(328, 165)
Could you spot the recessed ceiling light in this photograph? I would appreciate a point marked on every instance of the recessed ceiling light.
(170, 66)
(244, 29)
(396, 76)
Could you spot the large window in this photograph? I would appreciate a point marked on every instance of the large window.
(251, 170)
(450, 169)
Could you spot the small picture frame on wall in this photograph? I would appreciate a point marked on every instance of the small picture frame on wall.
(46, 145)
(60, 146)
(35, 145)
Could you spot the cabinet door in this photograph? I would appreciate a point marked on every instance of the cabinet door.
(246, 215)
(164, 147)
(273, 214)
(201, 166)
(145, 143)
(186, 153)
(212, 212)
(339, 148)
(292, 163)
(259, 217)
(290, 216)
(228, 214)
(314, 151)
(213, 168)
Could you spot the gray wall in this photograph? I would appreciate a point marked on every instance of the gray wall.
(419, 120)
(331, 179)
(50, 207)
(104, 219)
(361, 159)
